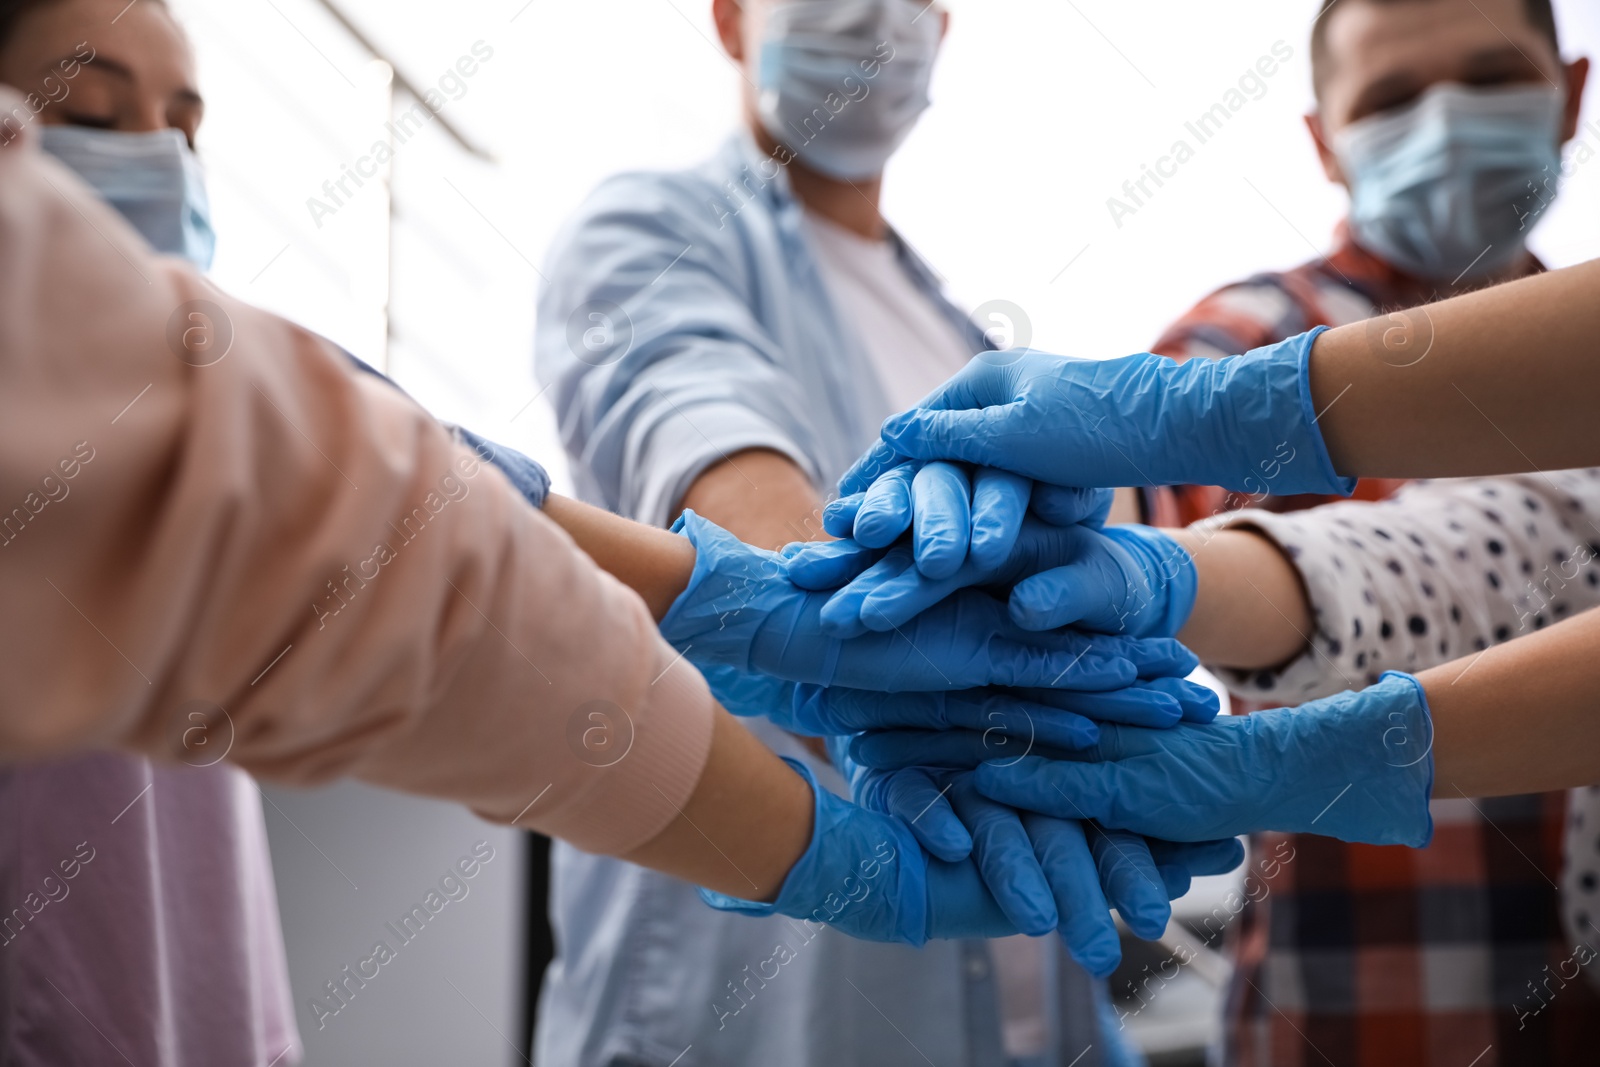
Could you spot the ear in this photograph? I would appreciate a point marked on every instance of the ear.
(1577, 77)
(944, 24)
(729, 17)
(1330, 162)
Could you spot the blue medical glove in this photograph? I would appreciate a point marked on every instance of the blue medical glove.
(1063, 718)
(1065, 505)
(815, 711)
(1131, 580)
(1246, 423)
(949, 513)
(1035, 866)
(751, 694)
(1357, 767)
(865, 874)
(740, 610)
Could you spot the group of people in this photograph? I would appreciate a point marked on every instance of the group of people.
(954, 601)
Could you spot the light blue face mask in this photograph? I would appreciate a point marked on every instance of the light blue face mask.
(154, 179)
(842, 82)
(1447, 188)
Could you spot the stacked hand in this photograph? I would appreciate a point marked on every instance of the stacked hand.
(959, 655)
(1013, 764)
(866, 874)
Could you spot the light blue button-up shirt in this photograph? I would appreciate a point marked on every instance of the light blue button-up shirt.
(686, 319)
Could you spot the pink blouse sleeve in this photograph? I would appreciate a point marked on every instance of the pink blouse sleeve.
(214, 533)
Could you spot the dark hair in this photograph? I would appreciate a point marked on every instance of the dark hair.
(11, 13)
(1541, 16)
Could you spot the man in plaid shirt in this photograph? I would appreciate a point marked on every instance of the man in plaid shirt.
(1359, 954)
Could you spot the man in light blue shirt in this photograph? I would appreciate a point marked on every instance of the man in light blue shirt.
(728, 339)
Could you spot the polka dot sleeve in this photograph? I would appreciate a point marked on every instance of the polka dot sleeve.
(1580, 879)
(1442, 570)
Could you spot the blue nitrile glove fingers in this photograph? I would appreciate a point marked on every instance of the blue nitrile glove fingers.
(888, 750)
(1132, 884)
(873, 464)
(1156, 703)
(1086, 924)
(1136, 877)
(884, 598)
(822, 566)
(865, 874)
(1060, 718)
(1123, 580)
(942, 530)
(1181, 862)
(918, 795)
(842, 614)
(999, 502)
(1357, 766)
(839, 516)
(1005, 856)
(952, 820)
(886, 511)
(1152, 657)
(1133, 580)
(741, 610)
(915, 795)
(1065, 505)
(1246, 423)
(823, 712)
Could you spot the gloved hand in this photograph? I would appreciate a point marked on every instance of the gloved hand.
(1132, 580)
(1245, 423)
(1357, 766)
(1055, 718)
(948, 513)
(950, 528)
(740, 610)
(1033, 864)
(865, 874)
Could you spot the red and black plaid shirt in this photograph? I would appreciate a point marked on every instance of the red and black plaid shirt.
(1368, 956)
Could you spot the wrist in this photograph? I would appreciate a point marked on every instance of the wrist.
(1357, 766)
(1261, 403)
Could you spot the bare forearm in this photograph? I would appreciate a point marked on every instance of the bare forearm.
(744, 827)
(1251, 611)
(760, 497)
(749, 817)
(1495, 382)
(652, 562)
(1520, 717)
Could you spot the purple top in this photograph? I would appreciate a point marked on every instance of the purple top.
(139, 919)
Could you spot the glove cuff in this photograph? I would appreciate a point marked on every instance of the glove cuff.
(717, 613)
(1357, 766)
(857, 874)
(799, 874)
(1268, 397)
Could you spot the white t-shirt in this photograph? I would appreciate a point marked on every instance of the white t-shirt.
(914, 348)
(912, 345)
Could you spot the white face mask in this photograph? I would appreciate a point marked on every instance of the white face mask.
(153, 179)
(1444, 188)
(842, 82)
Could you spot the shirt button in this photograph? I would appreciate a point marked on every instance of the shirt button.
(977, 968)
